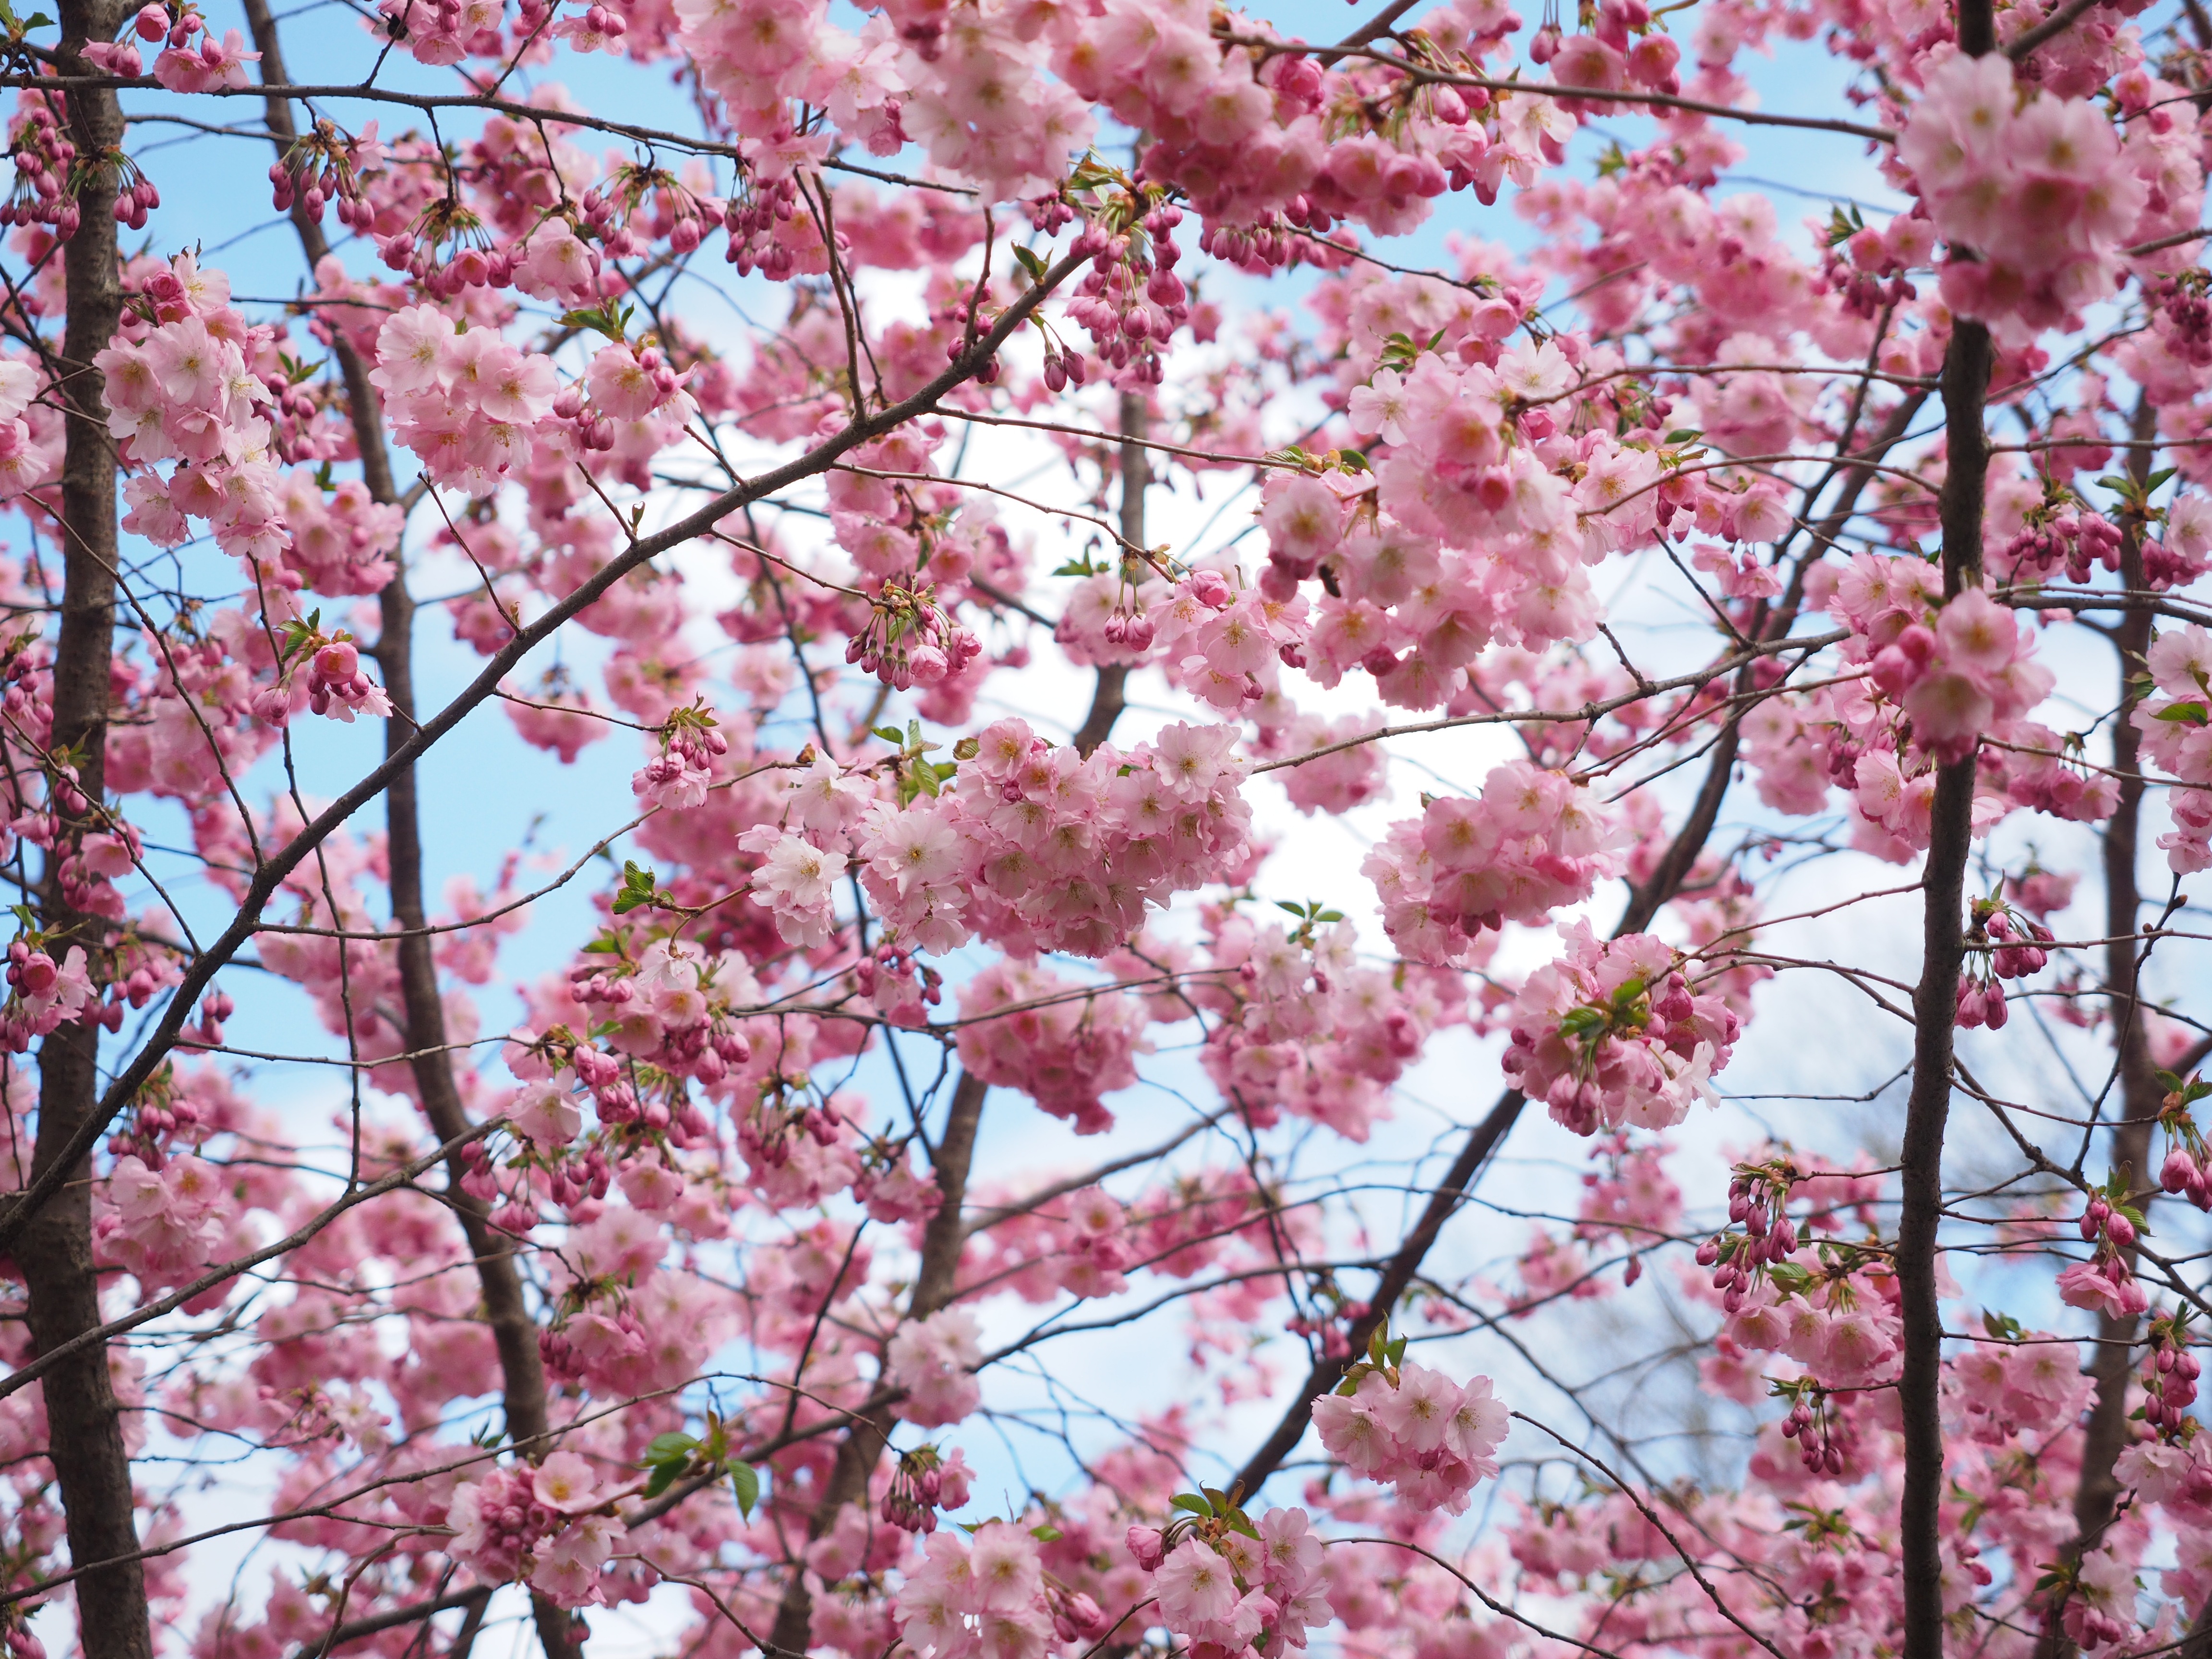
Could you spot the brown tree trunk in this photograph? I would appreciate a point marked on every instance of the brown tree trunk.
(514, 1332)
(2105, 1435)
(862, 1449)
(1110, 698)
(83, 1422)
(1935, 1001)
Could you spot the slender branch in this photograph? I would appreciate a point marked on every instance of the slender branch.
(1966, 387)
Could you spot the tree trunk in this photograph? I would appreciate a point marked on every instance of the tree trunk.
(1935, 1001)
(1107, 701)
(514, 1332)
(84, 1426)
(862, 1449)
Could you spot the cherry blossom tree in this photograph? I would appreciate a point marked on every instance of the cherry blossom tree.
(965, 1158)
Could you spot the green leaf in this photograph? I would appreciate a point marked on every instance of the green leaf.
(1191, 1504)
(967, 749)
(1688, 434)
(601, 319)
(1031, 263)
(2003, 1327)
(746, 1485)
(1297, 910)
(1239, 1522)
(2194, 713)
(889, 734)
(1583, 1022)
(1047, 1535)
(664, 1476)
(1330, 915)
(670, 1449)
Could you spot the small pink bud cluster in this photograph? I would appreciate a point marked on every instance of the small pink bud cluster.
(322, 168)
(153, 1122)
(45, 994)
(2105, 1284)
(214, 1008)
(680, 775)
(922, 1483)
(337, 685)
(1867, 268)
(1812, 1425)
(751, 216)
(899, 984)
(2169, 1378)
(1062, 367)
(2020, 952)
(769, 1133)
(909, 639)
(1757, 1200)
(2187, 1173)
(610, 214)
(475, 261)
(2079, 541)
(585, 1174)
(1131, 299)
(968, 321)
(1981, 1002)
(44, 159)
(2101, 1218)
(498, 1520)
(2185, 315)
(1332, 1329)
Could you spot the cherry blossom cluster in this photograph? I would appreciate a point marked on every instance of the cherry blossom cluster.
(1980, 149)
(1231, 1587)
(1532, 841)
(547, 1526)
(1612, 1033)
(1403, 1424)
(988, 1594)
(2176, 723)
